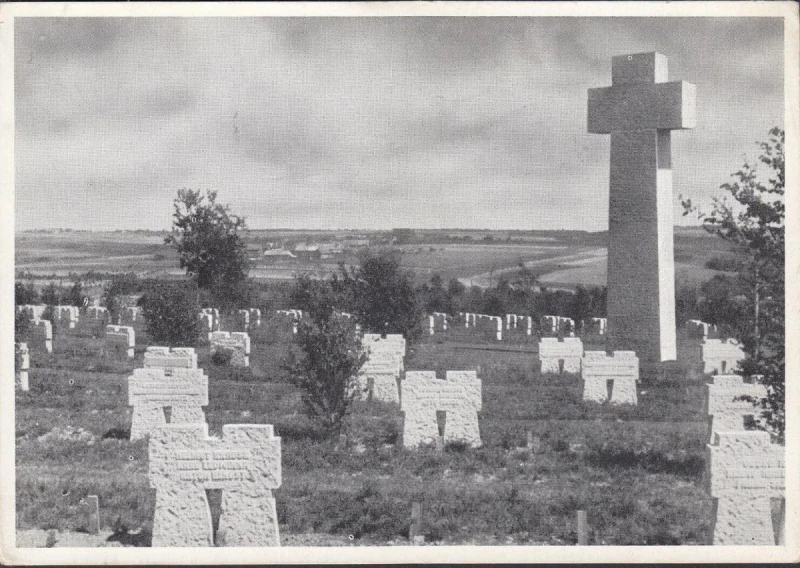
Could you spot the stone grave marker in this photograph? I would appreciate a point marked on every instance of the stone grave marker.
(159, 397)
(380, 374)
(121, 339)
(206, 324)
(243, 320)
(560, 355)
(214, 313)
(238, 343)
(174, 358)
(96, 313)
(184, 463)
(41, 334)
(745, 471)
(22, 364)
(721, 356)
(699, 329)
(32, 311)
(621, 369)
(255, 317)
(68, 314)
(725, 413)
(132, 314)
(459, 395)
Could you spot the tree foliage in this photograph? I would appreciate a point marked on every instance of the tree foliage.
(171, 313)
(326, 357)
(25, 294)
(382, 295)
(208, 239)
(752, 217)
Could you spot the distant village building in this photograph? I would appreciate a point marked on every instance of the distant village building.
(254, 251)
(307, 251)
(277, 255)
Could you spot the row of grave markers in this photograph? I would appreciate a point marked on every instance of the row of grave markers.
(168, 396)
(597, 368)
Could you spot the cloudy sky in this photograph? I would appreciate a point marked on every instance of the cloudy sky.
(364, 122)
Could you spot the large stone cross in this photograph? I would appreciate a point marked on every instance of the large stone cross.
(639, 110)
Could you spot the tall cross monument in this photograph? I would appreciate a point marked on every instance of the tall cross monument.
(639, 110)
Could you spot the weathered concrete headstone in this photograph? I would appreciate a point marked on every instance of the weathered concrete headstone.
(22, 364)
(32, 311)
(745, 471)
(380, 374)
(238, 343)
(41, 334)
(121, 339)
(132, 314)
(206, 324)
(255, 317)
(96, 313)
(721, 356)
(243, 320)
(597, 325)
(214, 313)
(459, 395)
(170, 358)
(699, 329)
(621, 368)
(725, 413)
(430, 325)
(68, 314)
(245, 464)
(150, 391)
(639, 110)
(560, 355)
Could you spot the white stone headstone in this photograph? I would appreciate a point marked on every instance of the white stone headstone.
(725, 412)
(745, 471)
(621, 367)
(121, 338)
(721, 356)
(423, 395)
(554, 350)
(245, 464)
(238, 343)
(152, 390)
(22, 364)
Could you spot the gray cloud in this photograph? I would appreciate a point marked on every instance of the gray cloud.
(363, 122)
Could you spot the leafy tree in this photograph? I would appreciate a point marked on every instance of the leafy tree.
(171, 312)
(326, 356)
(209, 244)
(119, 285)
(382, 295)
(25, 294)
(21, 326)
(74, 296)
(51, 295)
(755, 223)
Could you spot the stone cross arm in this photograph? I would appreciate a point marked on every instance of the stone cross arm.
(660, 106)
(640, 98)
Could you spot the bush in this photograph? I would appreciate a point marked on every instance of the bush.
(325, 359)
(222, 357)
(170, 312)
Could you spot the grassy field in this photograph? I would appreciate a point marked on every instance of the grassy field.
(637, 471)
(556, 260)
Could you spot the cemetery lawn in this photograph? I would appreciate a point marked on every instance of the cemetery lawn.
(637, 471)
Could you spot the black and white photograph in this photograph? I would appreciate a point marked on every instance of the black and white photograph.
(402, 281)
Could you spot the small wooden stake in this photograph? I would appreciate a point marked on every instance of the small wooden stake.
(96, 500)
(583, 529)
(416, 522)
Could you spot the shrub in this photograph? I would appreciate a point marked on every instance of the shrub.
(170, 313)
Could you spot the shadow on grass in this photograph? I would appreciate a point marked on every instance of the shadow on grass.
(689, 466)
